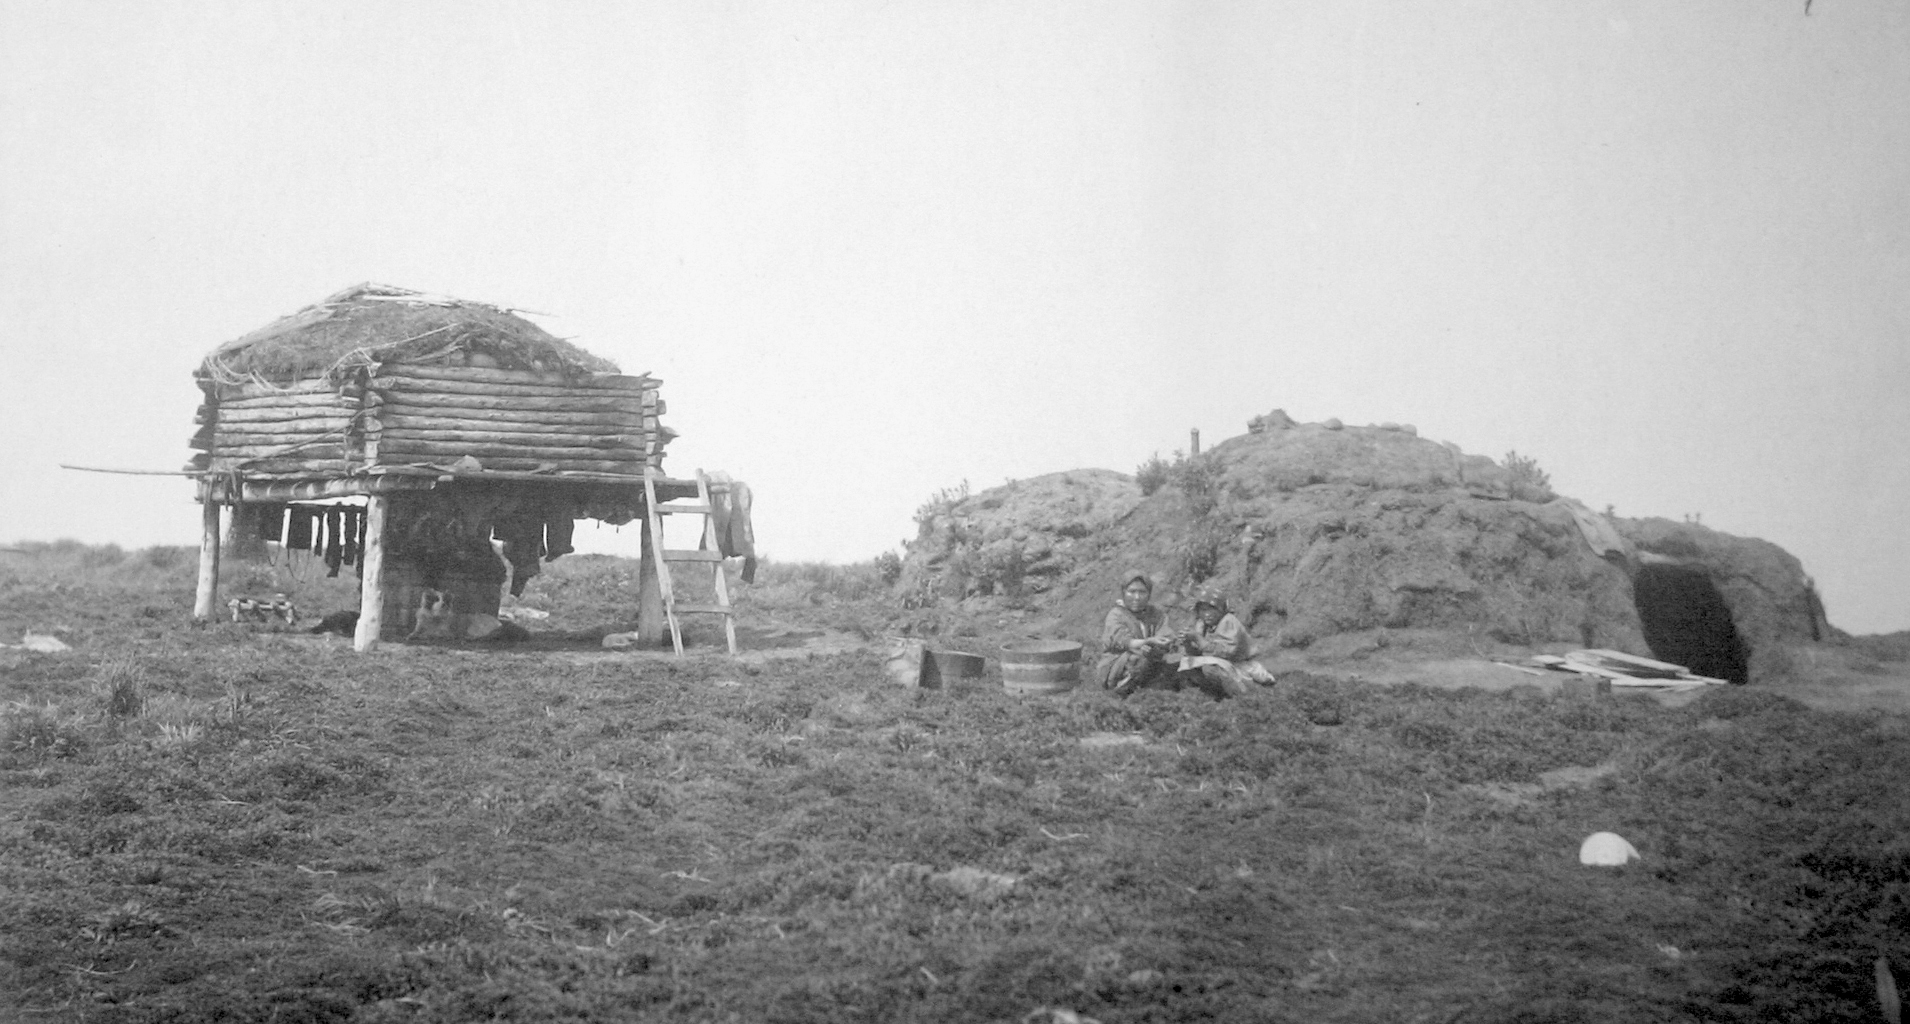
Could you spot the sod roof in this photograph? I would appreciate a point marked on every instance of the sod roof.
(374, 323)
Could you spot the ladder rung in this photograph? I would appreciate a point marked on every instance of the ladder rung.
(713, 609)
(664, 510)
(670, 555)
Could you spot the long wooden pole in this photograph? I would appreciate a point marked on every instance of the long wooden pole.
(208, 595)
(371, 601)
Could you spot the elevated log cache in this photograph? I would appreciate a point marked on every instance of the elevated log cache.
(399, 416)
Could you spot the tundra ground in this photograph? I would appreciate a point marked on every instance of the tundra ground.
(225, 823)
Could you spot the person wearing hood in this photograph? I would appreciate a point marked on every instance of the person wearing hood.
(1221, 651)
(1135, 640)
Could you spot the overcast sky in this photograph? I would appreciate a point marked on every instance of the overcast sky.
(877, 249)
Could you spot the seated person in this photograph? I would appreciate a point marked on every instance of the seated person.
(1135, 640)
(1220, 651)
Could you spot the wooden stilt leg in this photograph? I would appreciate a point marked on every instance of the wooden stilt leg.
(651, 626)
(371, 600)
(207, 599)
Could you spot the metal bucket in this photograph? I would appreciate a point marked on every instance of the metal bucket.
(951, 669)
(1040, 666)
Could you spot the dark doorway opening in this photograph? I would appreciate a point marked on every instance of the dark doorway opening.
(1687, 622)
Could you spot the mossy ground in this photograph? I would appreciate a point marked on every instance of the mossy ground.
(220, 823)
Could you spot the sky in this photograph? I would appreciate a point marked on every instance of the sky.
(877, 249)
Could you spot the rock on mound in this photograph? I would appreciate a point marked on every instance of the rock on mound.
(1320, 532)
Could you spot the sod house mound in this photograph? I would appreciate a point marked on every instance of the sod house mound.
(1328, 537)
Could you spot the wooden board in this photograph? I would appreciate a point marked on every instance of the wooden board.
(1645, 665)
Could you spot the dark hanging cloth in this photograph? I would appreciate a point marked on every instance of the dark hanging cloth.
(557, 538)
(735, 532)
(334, 540)
(523, 546)
(349, 522)
(298, 529)
(271, 522)
(363, 518)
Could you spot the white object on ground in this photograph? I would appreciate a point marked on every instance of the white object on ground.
(620, 639)
(43, 643)
(1606, 850)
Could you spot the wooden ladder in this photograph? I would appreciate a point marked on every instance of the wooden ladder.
(710, 554)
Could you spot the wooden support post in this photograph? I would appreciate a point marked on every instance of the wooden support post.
(208, 596)
(651, 626)
(371, 600)
(1193, 442)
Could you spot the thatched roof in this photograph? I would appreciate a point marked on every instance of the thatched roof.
(378, 323)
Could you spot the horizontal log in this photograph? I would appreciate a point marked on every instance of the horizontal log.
(633, 470)
(233, 442)
(284, 428)
(290, 402)
(278, 451)
(407, 473)
(482, 375)
(499, 419)
(291, 468)
(282, 414)
(420, 403)
(448, 450)
(408, 385)
(311, 386)
(629, 442)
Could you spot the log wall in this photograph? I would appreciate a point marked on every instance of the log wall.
(400, 415)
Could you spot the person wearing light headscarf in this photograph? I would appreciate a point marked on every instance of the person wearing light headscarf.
(1220, 650)
(1135, 640)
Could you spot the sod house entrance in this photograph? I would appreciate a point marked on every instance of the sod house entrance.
(1685, 621)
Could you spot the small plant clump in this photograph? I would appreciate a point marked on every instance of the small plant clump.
(1152, 474)
(941, 503)
(1529, 482)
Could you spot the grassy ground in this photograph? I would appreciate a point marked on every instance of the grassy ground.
(225, 823)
